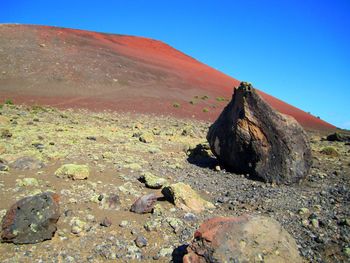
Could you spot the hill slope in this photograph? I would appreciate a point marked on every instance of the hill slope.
(74, 68)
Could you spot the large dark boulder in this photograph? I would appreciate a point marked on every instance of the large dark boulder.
(31, 220)
(250, 137)
(242, 239)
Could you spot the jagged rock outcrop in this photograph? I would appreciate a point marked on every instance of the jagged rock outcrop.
(252, 138)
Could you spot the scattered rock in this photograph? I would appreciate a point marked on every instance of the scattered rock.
(183, 196)
(153, 225)
(5, 133)
(146, 138)
(141, 241)
(106, 222)
(91, 138)
(337, 137)
(3, 165)
(73, 171)
(144, 204)
(27, 182)
(78, 225)
(165, 252)
(32, 219)
(242, 239)
(250, 137)
(175, 223)
(124, 223)
(27, 163)
(153, 181)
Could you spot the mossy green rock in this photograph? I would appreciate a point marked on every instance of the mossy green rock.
(153, 181)
(186, 198)
(27, 182)
(73, 171)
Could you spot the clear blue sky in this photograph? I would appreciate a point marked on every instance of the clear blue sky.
(298, 51)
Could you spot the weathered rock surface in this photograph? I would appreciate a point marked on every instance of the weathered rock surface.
(32, 219)
(183, 196)
(144, 204)
(250, 137)
(27, 163)
(242, 239)
(337, 137)
(153, 181)
(73, 171)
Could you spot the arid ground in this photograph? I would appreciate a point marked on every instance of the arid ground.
(119, 148)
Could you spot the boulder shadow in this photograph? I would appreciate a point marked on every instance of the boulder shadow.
(179, 253)
(201, 156)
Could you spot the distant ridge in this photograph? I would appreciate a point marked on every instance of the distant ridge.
(75, 68)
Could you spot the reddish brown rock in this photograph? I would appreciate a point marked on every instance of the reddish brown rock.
(144, 204)
(32, 219)
(242, 239)
(250, 137)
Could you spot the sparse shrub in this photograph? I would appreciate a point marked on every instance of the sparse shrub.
(205, 110)
(196, 97)
(205, 97)
(38, 108)
(1, 105)
(329, 150)
(8, 102)
(176, 105)
(220, 99)
(192, 102)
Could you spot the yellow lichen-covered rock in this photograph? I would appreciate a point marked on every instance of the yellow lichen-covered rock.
(185, 197)
(73, 171)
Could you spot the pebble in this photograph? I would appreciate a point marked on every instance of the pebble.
(141, 241)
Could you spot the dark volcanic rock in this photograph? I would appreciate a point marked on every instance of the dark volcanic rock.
(144, 204)
(250, 137)
(32, 219)
(337, 137)
(27, 163)
(242, 239)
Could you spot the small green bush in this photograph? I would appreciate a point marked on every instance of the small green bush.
(176, 105)
(329, 150)
(205, 97)
(220, 99)
(8, 102)
(192, 102)
(205, 110)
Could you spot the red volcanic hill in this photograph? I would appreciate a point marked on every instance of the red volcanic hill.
(74, 68)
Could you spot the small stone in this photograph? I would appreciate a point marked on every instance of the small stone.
(165, 252)
(190, 217)
(153, 181)
(27, 182)
(303, 211)
(217, 168)
(146, 138)
(315, 223)
(124, 223)
(73, 171)
(175, 223)
(152, 225)
(77, 225)
(91, 138)
(141, 241)
(157, 210)
(144, 204)
(106, 222)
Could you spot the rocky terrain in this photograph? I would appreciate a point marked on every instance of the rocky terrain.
(113, 159)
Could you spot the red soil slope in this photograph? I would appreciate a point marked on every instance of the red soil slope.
(74, 68)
